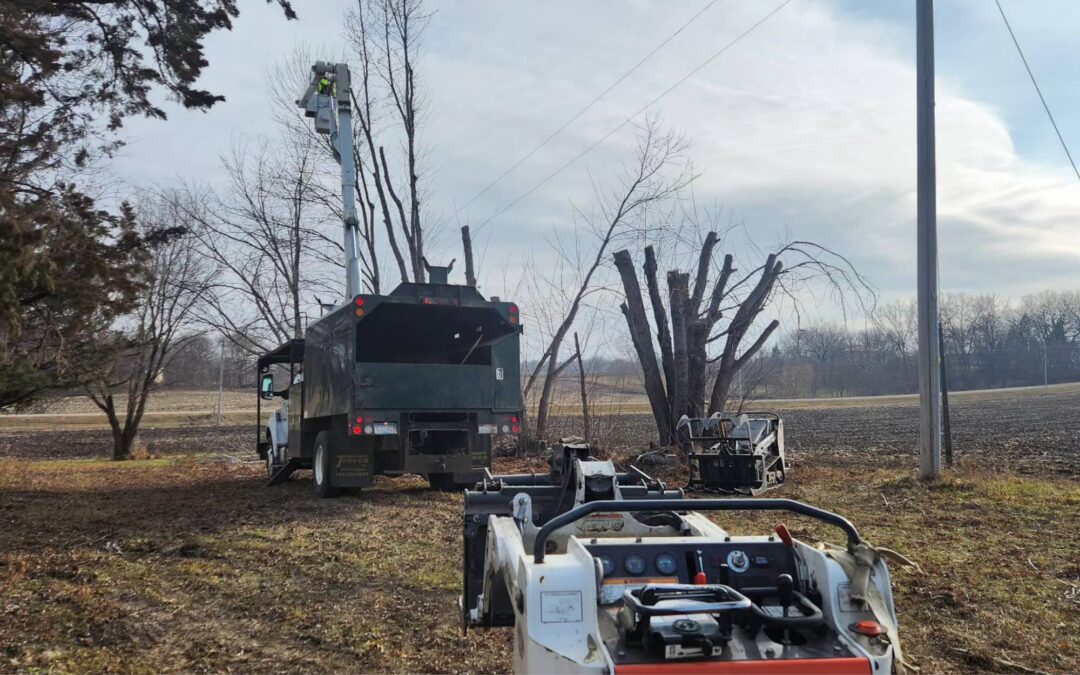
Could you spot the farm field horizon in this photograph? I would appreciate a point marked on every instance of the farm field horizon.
(177, 407)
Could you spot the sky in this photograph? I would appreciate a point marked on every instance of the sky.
(805, 128)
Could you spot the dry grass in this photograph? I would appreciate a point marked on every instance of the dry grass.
(1000, 557)
(190, 564)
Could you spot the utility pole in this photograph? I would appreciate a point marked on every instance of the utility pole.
(1046, 381)
(221, 380)
(929, 340)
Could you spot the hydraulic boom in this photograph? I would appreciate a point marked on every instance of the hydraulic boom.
(328, 100)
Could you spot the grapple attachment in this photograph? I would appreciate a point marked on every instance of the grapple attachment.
(734, 454)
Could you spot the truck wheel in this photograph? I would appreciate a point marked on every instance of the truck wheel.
(321, 466)
(444, 482)
(272, 455)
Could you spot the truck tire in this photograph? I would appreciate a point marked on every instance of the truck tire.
(321, 463)
(272, 455)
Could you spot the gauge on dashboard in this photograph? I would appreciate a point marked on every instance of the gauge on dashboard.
(665, 564)
(634, 564)
(738, 561)
(608, 565)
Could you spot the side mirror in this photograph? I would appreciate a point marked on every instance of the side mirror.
(266, 387)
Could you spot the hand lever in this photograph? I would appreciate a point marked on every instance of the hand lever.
(785, 590)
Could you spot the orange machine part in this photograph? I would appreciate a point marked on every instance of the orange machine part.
(841, 666)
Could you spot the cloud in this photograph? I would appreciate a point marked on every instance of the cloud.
(806, 127)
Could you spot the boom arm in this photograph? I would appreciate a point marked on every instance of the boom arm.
(331, 106)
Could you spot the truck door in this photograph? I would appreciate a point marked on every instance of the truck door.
(296, 409)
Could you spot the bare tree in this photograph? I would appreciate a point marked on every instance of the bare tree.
(646, 181)
(725, 313)
(177, 280)
(288, 77)
(268, 235)
(385, 36)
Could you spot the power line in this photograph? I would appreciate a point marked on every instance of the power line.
(581, 112)
(629, 119)
(1037, 89)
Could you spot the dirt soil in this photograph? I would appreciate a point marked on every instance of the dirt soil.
(188, 563)
(1025, 434)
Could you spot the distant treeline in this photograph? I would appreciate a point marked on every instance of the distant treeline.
(989, 342)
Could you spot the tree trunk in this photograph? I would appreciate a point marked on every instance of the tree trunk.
(634, 311)
(697, 335)
(122, 440)
(663, 335)
(678, 298)
(466, 243)
(721, 389)
(584, 393)
(545, 393)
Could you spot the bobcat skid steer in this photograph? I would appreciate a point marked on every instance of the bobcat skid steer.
(605, 572)
(734, 454)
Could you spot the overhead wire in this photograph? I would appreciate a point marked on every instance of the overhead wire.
(588, 107)
(1038, 90)
(629, 119)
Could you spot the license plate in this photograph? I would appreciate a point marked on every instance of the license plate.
(384, 428)
(488, 429)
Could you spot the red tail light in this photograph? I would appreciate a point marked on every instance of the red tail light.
(357, 428)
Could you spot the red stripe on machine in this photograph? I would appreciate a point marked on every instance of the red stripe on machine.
(841, 666)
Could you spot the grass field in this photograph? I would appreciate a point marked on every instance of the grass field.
(187, 563)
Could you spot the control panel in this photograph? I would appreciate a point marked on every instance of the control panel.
(741, 565)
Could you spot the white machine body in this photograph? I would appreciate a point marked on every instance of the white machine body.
(641, 591)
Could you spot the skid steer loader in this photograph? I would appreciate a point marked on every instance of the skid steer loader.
(607, 572)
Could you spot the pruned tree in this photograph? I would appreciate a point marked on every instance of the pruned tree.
(655, 174)
(385, 36)
(384, 40)
(466, 246)
(176, 280)
(710, 328)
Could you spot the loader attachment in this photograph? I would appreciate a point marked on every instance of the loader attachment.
(603, 572)
(734, 454)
